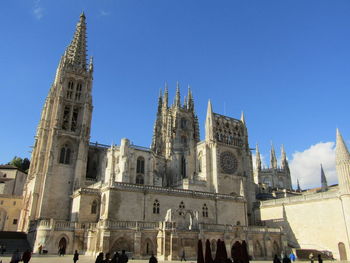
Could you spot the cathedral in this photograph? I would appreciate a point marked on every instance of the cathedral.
(163, 199)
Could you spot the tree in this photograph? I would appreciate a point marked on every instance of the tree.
(22, 164)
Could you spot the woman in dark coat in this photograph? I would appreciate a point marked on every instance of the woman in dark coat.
(76, 256)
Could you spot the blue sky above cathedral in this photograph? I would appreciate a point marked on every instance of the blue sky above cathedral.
(285, 63)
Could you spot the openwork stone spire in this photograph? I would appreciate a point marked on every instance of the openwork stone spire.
(76, 51)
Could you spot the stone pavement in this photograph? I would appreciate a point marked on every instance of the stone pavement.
(88, 259)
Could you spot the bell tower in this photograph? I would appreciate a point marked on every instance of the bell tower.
(59, 157)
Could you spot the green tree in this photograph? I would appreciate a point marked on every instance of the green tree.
(22, 164)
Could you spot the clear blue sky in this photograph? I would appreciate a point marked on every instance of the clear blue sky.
(285, 63)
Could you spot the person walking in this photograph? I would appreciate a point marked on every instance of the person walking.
(319, 258)
(16, 257)
(40, 249)
(107, 258)
(115, 258)
(183, 257)
(153, 259)
(276, 259)
(76, 256)
(99, 258)
(292, 256)
(26, 256)
(311, 257)
(286, 259)
(123, 257)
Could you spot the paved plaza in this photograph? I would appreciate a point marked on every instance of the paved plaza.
(85, 259)
(89, 259)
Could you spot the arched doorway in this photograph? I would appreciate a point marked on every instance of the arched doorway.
(148, 247)
(62, 245)
(342, 251)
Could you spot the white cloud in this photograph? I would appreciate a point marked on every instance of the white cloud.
(104, 13)
(38, 11)
(305, 165)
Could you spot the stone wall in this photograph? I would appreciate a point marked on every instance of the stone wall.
(311, 221)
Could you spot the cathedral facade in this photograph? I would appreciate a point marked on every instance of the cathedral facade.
(162, 199)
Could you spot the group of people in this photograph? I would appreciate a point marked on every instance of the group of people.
(291, 258)
(117, 258)
(17, 257)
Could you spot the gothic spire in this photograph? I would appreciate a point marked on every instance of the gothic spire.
(298, 186)
(190, 101)
(273, 158)
(166, 94)
(324, 185)
(76, 52)
(284, 162)
(257, 158)
(209, 122)
(177, 97)
(342, 161)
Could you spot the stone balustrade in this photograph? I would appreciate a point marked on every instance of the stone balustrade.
(172, 191)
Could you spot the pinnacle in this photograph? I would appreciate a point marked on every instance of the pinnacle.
(341, 150)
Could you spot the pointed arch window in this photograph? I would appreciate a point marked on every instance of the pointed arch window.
(140, 168)
(94, 207)
(139, 179)
(74, 119)
(156, 207)
(70, 89)
(78, 91)
(200, 162)
(65, 154)
(183, 167)
(205, 210)
(65, 121)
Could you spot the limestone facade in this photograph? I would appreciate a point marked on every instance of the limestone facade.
(162, 199)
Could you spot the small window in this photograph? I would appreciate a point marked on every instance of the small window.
(15, 221)
(65, 154)
(181, 208)
(205, 211)
(140, 168)
(156, 207)
(94, 207)
(139, 179)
